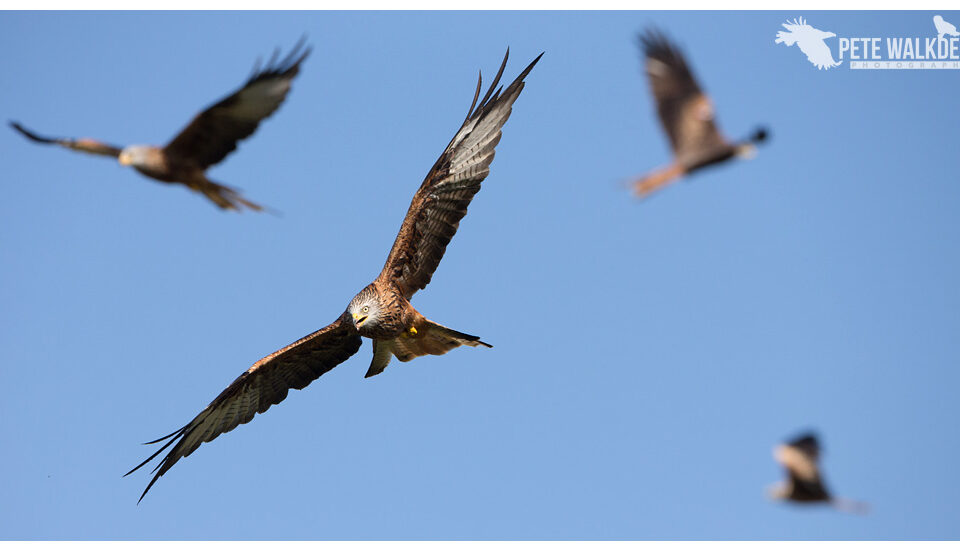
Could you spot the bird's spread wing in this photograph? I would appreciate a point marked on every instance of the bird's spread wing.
(264, 384)
(685, 111)
(86, 145)
(442, 200)
(214, 133)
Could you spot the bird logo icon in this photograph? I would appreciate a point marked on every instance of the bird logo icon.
(943, 27)
(810, 40)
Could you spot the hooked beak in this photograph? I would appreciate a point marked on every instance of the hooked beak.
(124, 159)
(358, 320)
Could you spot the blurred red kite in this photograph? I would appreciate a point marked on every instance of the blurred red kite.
(209, 137)
(687, 117)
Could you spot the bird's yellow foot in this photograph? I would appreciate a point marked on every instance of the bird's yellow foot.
(411, 332)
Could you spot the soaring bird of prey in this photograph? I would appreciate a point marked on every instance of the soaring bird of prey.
(382, 310)
(209, 137)
(800, 458)
(687, 116)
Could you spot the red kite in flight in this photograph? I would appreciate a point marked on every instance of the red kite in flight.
(209, 137)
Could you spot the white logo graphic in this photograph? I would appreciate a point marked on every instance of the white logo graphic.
(943, 27)
(875, 52)
(810, 41)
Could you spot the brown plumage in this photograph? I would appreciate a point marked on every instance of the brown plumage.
(687, 116)
(382, 310)
(209, 137)
(800, 458)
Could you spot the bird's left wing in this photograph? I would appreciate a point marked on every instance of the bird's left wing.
(85, 145)
(214, 133)
(264, 384)
(442, 200)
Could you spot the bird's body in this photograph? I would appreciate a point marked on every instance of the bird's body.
(944, 28)
(381, 311)
(800, 459)
(400, 330)
(687, 116)
(207, 140)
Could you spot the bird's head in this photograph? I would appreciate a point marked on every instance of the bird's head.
(364, 309)
(760, 135)
(134, 155)
(826, 34)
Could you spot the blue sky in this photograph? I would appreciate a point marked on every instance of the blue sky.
(648, 355)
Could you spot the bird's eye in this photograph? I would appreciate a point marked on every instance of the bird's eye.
(366, 309)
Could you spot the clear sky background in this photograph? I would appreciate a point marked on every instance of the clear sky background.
(648, 355)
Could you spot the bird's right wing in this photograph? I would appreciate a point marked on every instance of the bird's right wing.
(264, 384)
(85, 145)
(685, 111)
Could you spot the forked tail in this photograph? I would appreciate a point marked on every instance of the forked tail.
(224, 197)
(426, 338)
